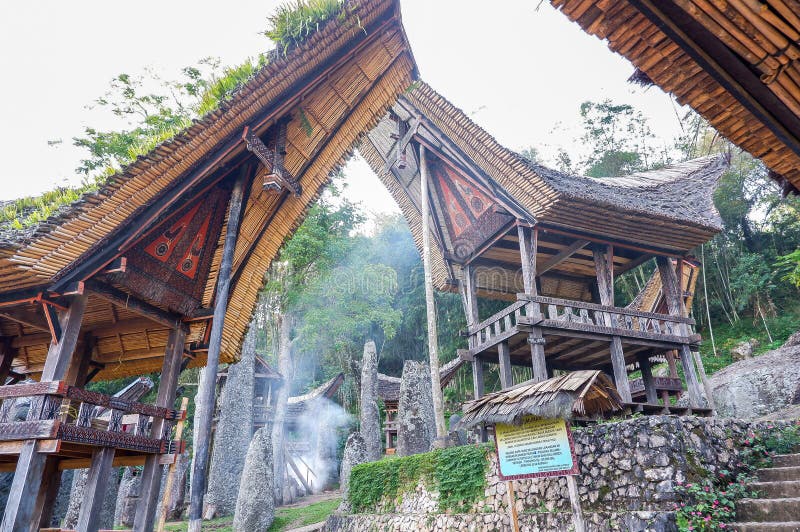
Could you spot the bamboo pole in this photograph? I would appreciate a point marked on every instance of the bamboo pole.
(575, 503)
(162, 519)
(512, 506)
(433, 342)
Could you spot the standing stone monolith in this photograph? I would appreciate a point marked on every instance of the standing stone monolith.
(76, 499)
(416, 427)
(233, 433)
(355, 452)
(370, 417)
(457, 434)
(127, 497)
(255, 506)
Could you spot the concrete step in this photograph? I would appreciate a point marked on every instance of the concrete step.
(786, 460)
(788, 526)
(768, 510)
(778, 474)
(777, 490)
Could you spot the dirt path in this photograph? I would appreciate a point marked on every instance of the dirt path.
(312, 499)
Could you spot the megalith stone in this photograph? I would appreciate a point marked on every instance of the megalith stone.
(370, 417)
(127, 497)
(233, 433)
(355, 452)
(416, 427)
(76, 499)
(255, 506)
(457, 434)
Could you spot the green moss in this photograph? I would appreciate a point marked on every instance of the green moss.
(457, 473)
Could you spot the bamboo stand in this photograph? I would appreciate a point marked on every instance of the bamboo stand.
(575, 502)
(512, 506)
(162, 518)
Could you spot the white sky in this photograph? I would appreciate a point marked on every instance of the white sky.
(517, 70)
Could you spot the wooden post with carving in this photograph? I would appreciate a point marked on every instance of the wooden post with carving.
(162, 518)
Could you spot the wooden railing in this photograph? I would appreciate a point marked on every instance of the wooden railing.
(58, 411)
(579, 316)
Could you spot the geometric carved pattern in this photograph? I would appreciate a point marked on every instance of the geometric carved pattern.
(162, 247)
(5, 409)
(115, 422)
(102, 438)
(143, 425)
(85, 414)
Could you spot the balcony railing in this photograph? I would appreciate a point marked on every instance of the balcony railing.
(581, 317)
(56, 411)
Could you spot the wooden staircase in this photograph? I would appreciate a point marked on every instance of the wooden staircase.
(778, 507)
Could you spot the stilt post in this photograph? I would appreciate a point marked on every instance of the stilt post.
(647, 379)
(604, 266)
(24, 492)
(674, 300)
(528, 244)
(203, 434)
(151, 475)
(430, 306)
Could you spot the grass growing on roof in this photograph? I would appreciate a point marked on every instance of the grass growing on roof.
(293, 22)
(457, 473)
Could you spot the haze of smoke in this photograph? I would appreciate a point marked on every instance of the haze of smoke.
(321, 425)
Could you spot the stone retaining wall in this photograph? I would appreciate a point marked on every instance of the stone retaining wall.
(627, 469)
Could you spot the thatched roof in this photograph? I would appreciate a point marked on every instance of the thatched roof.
(299, 403)
(669, 209)
(333, 88)
(730, 61)
(582, 393)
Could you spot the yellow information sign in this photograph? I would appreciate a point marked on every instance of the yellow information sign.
(538, 447)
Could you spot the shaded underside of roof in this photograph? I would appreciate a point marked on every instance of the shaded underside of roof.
(729, 61)
(334, 87)
(298, 404)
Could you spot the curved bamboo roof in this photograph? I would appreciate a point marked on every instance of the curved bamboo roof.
(669, 209)
(333, 87)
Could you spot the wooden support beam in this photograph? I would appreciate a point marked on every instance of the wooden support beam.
(25, 487)
(563, 255)
(647, 378)
(504, 357)
(95, 489)
(118, 265)
(478, 386)
(528, 247)
(203, 421)
(604, 266)
(27, 319)
(151, 476)
(673, 296)
(124, 300)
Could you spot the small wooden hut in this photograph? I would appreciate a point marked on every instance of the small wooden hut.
(160, 268)
(549, 243)
(733, 62)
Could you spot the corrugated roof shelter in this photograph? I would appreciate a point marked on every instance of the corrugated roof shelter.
(141, 275)
(734, 62)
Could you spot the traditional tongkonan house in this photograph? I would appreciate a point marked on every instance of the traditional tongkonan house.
(161, 266)
(550, 244)
(733, 62)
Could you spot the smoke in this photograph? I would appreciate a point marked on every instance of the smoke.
(315, 441)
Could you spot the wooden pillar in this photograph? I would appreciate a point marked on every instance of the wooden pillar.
(433, 336)
(604, 266)
(51, 481)
(203, 435)
(478, 388)
(95, 489)
(24, 492)
(674, 299)
(647, 379)
(504, 356)
(6, 357)
(151, 475)
(528, 244)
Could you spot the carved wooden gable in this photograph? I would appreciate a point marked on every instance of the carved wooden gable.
(470, 212)
(169, 267)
